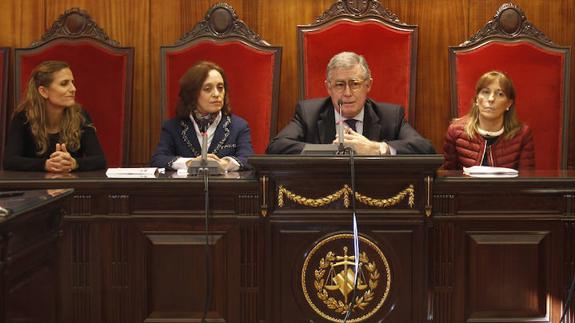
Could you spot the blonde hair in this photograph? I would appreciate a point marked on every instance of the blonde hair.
(511, 125)
(34, 105)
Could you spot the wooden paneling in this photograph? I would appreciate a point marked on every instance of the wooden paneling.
(175, 292)
(500, 262)
(434, 19)
(18, 29)
(149, 24)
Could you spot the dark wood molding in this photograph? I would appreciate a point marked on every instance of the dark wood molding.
(4, 67)
(29, 276)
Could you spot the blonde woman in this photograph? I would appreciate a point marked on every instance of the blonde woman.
(49, 130)
(490, 134)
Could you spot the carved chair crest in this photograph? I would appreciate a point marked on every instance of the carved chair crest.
(75, 23)
(509, 22)
(358, 9)
(221, 21)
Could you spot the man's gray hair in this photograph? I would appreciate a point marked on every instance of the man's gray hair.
(348, 60)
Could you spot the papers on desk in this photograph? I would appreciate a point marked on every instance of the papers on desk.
(183, 173)
(490, 172)
(134, 172)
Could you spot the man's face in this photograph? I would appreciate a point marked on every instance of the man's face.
(349, 85)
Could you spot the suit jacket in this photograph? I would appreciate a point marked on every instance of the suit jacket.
(314, 122)
(178, 139)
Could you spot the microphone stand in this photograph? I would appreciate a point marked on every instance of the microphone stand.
(211, 167)
(350, 151)
(331, 149)
(341, 147)
(205, 172)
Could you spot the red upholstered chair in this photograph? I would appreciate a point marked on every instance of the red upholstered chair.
(103, 72)
(364, 27)
(4, 63)
(539, 70)
(252, 67)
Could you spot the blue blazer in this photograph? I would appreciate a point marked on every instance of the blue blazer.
(178, 139)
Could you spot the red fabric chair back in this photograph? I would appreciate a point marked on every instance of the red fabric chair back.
(250, 64)
(540, 75)
(4, 63)
(389, 47)
(103, 75)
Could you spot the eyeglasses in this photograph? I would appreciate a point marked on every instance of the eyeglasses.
(487, 93)
(339, 86)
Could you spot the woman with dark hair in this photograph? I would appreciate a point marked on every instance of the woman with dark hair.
(490, 134)
(203, 107)
(49, 130)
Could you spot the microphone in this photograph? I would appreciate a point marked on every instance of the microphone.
(204, 166)
(204, 148)
(340, 126)
(203, 124)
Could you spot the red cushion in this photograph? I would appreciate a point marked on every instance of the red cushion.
(537, 75)
(387, 51)
(101, 79)
(250, 76)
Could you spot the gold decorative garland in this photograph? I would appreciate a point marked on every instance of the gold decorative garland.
(345, 192)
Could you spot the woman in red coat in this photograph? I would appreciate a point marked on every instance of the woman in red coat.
(490, 134)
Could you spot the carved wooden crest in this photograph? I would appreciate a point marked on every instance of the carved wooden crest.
(509, 22)
(221, 21)
(358, 8)
(75, 23)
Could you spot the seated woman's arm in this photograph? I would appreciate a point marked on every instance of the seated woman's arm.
(450, 151)
(93, 156)
(164, 155)
(527, 156)
(244, 147)
(18, 141)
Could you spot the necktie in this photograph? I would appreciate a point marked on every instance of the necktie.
(351, 123)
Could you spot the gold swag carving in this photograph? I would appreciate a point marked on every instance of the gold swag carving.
(344, 193)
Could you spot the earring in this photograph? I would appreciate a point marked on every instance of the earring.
(507, 109)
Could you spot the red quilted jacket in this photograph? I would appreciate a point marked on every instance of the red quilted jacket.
(461, 151)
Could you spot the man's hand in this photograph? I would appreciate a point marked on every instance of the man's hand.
(360, 144)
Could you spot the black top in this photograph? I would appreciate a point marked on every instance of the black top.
(20, 152)
(490, 141)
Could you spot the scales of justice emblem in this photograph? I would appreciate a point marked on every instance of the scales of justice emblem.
(328, 279)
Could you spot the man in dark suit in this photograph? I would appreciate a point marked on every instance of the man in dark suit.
(372, 128)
